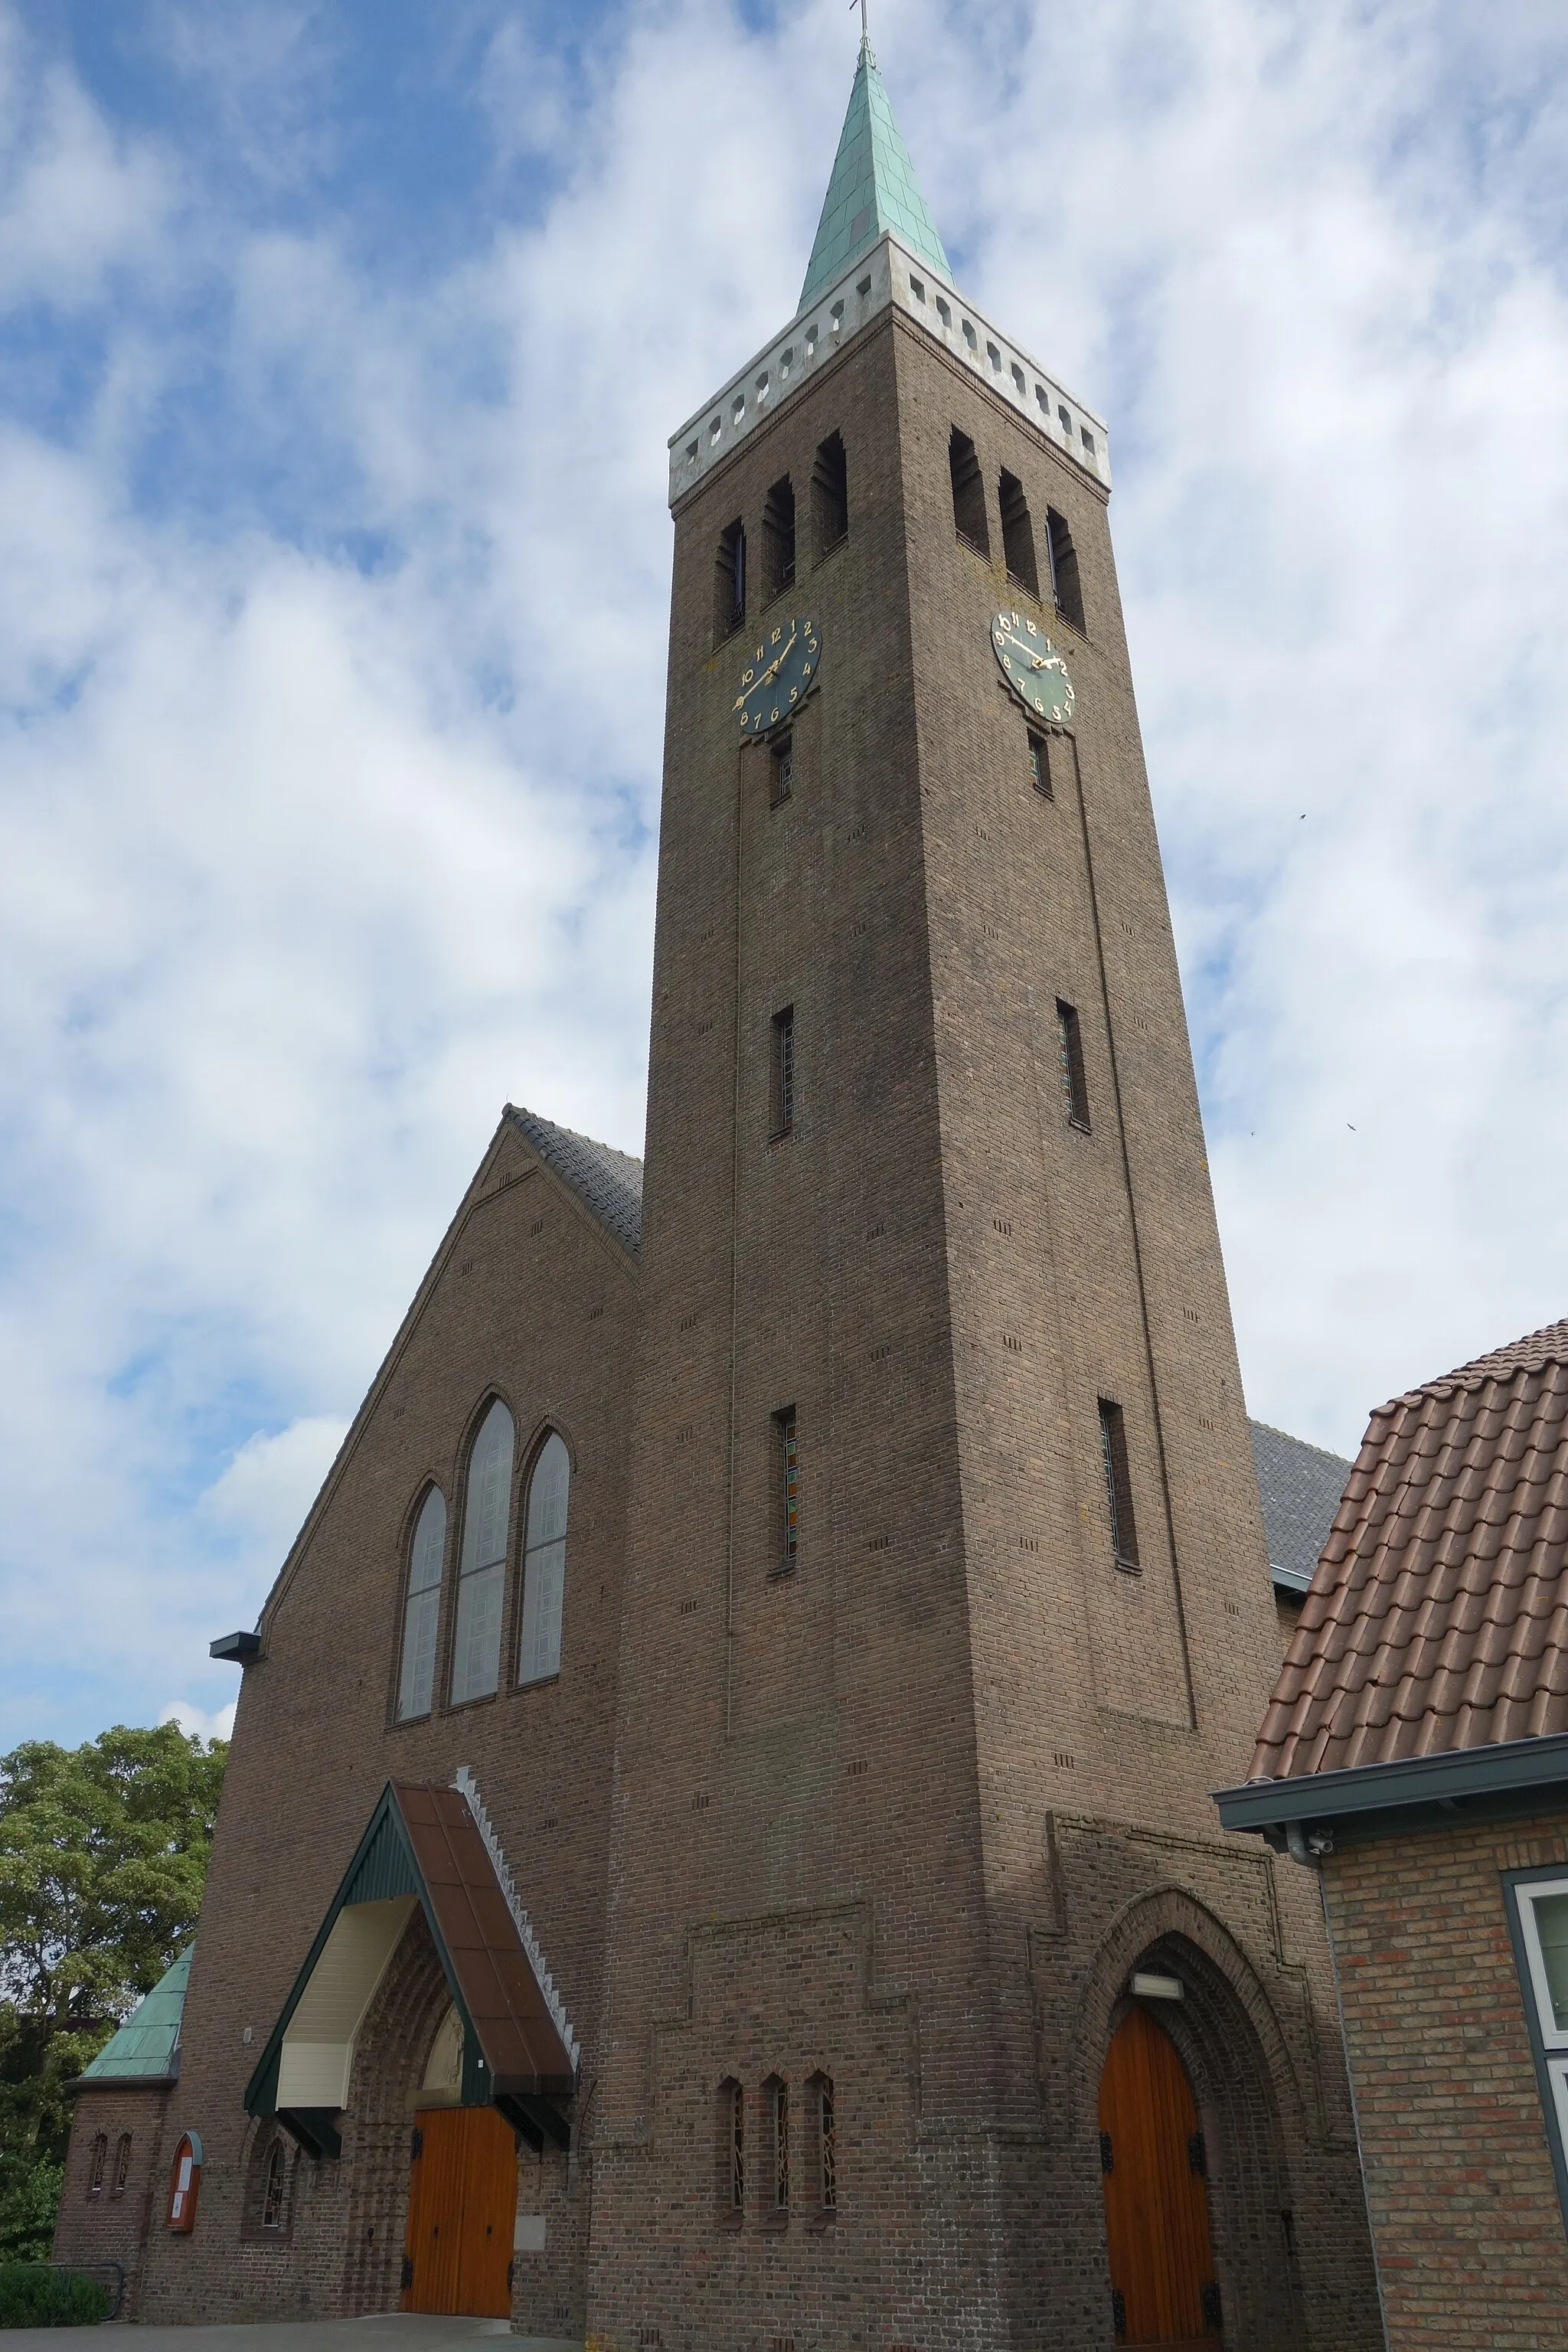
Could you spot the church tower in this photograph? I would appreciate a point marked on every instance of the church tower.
(930, 1976)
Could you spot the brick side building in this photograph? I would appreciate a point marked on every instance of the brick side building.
(742, 1708)
(1415, 1754)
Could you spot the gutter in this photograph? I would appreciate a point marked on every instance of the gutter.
(1310, 1810)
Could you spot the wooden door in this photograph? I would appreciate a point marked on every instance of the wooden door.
(462, 2204)
(1157, 2195)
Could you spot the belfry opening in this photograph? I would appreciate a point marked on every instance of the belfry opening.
(719, 1796)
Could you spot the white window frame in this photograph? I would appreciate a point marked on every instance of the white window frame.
(1523, 1889)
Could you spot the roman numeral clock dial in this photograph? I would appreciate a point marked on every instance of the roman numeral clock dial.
(1033, 667)
(778, 675)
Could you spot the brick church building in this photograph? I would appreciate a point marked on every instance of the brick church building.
(717, 1849)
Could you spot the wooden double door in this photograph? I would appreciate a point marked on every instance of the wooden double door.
(1154, 2168)
(462, 2208)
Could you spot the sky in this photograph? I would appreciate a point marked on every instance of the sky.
(339, 350)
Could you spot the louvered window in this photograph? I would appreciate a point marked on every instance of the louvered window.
(544, 1562)
(481, 1575)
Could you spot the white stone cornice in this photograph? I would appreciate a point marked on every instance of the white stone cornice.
(890, 274)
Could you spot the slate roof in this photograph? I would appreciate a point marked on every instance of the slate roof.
(147, 2046)
(609, 1181)
(1300, 1486)
(872, 188)
(1438, 1618)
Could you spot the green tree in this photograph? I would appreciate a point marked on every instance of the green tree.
(103, 1849)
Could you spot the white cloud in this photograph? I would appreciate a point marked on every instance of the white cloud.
(328, 761)
(197, 1722)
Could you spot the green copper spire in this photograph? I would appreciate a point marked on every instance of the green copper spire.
(873, 188)
(147, 2044)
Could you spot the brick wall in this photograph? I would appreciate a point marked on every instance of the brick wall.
(943, 1279)
(530, 1298)
(111, 2224)
(1470, 2238)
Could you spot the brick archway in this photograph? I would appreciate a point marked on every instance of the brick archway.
(1249, 2099)
(394, 2049)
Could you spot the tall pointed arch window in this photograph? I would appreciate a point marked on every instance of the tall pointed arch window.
(544, 1562)
(481, 1570)
(422, 1608)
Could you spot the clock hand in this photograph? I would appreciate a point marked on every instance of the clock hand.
(768, 675)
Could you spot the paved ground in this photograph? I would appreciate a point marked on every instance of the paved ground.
(397, 2331)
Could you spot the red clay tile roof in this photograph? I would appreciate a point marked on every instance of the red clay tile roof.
(1439, 1616)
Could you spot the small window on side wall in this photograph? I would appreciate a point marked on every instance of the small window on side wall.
(781, 771)
(481, 1568)
(830, 497)
(730, 2154)
(1040, 765)
(822, 2151)
(968, 493)
(783, 1074)
(1538, 1922)
(1069, 1048)
(775, 2184)
(421, 1608)
(1118, 1483)
(729, 580)
(98, 2164)
(121, 2165)
(544, 1562)
(274, 2187)
(786, 1472)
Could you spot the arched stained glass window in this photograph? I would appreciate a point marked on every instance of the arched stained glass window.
(481, 1571)
(422, 1611)
(544, 1562)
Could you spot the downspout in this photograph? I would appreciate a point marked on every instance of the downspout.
(1311, 1858)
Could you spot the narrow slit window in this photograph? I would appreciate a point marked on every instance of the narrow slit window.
(968, 493)
(730, 2153)
(827, 2146)
(781, 778)
(730, 581)
(786, 1451)
(421, 1608)
(544, 1562)
(1069, 1045)
(99, 2165)
(1066, 591)
(784, 1071)
(829, 496)
(1118, 1484)
(778, 2117)
(778, 538)
(121, 2165)
(1017, 535)
(1040, 765)
(481, 1574)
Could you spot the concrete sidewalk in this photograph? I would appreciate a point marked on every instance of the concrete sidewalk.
(393, 2331)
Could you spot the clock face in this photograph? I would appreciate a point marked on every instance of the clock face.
(778, 673)
(1033, 667)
